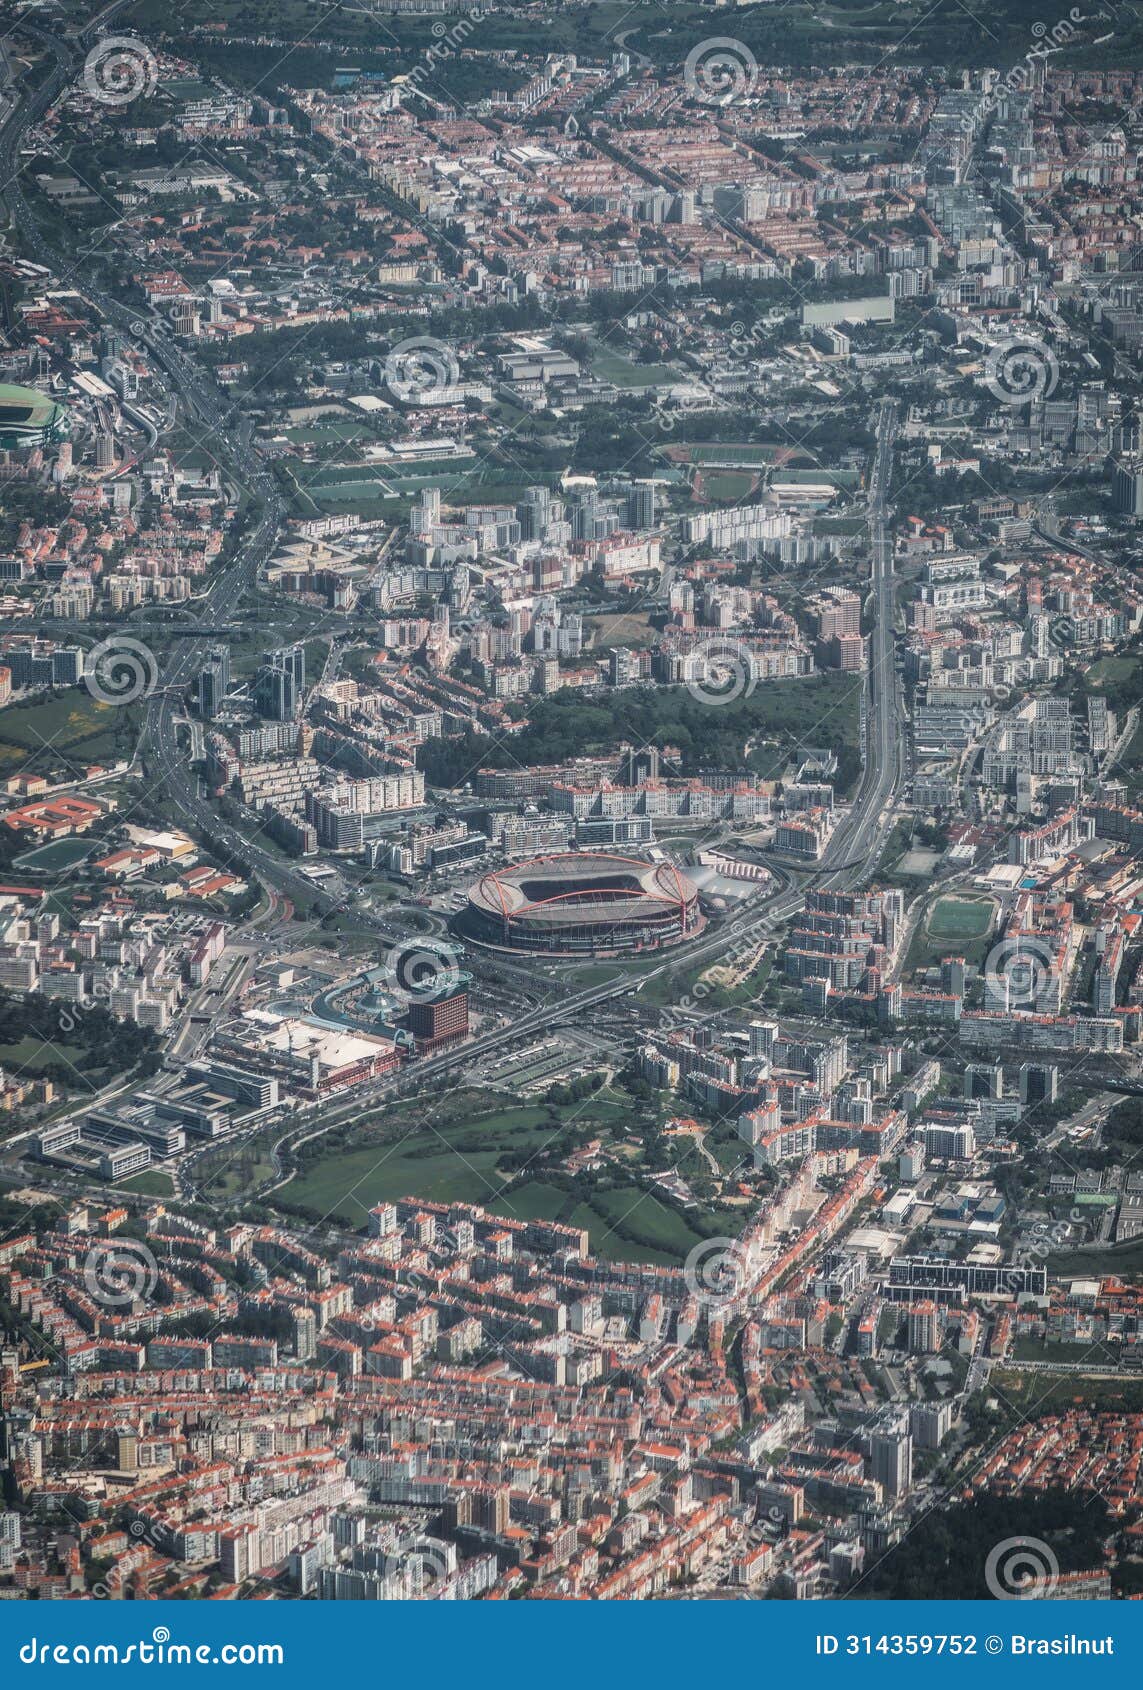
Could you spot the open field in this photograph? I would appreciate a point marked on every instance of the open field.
(473, 1156)
(702, 981)
(613, 367)
(152, 1183)
(447, 1162)
(729, 486)
(960, 918)
(66, 731)
(30, 1056)
(624, 1221)
(1094, 1261)
(626, 628)
(1026, 1395)
(381, 490)
(1132, 762)
(55, 857)
(1115, 671)
(629, 1224)
(953, 926)
(1032, 1349)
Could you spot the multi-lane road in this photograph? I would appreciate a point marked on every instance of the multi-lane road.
(859, 837)
(205, 409)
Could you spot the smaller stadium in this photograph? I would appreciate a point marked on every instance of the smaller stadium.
(573, 904)
(29, 418)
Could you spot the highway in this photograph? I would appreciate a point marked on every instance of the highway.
(204, 407)
(858, 840)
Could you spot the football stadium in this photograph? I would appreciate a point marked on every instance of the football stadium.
(575, 904)
(29, 418)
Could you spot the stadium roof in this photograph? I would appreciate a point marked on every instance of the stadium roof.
(29, 417)
(26, 405)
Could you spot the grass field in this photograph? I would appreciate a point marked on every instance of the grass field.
(952, 927)
(629, 1225)
(1036, 1395)
(30, 1056)
(1115, 671)
(668, 988)
(325, 433)
(58, 855)
(455, 1163)
(1132, 761)
(362, 489)
(152, 1183)
(1032, 1349)
(474, 1157)
(736, 457)
(957, 919)
(533, 1202)
(613, 367)
(621, 629)
(728, 486)
(66, 731)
